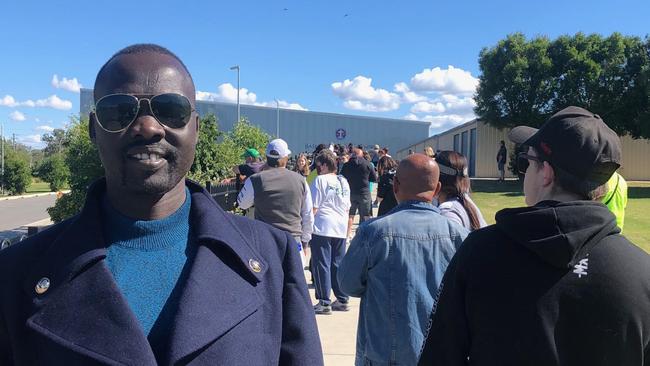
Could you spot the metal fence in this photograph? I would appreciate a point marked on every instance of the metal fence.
(224, 193)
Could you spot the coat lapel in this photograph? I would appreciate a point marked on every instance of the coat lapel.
(220, 290)
(83, 310)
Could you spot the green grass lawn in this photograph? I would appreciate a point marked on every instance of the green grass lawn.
(38, 187)
(491, 197)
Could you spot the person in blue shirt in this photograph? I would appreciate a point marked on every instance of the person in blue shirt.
(395, 264)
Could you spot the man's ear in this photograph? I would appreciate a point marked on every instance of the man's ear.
(438, 188)
(91, 126)
(198, 128)
(548, 174)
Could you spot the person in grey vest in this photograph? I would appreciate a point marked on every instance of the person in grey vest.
(281, 197)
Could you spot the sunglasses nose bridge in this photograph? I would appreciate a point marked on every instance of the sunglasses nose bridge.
(146, 124)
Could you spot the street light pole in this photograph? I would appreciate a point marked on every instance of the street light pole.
(2, 170)
(236, 67)
(277, 118)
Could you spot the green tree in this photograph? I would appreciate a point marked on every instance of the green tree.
(17, 175)
(525, 81)
(206, 161)
(54, 171)
(217, 152)
(56, 141)
(82, 160)
(246, 135)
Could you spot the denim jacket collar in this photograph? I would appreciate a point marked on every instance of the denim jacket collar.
(410, 204)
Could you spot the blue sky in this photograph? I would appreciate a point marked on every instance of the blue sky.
(400, 59)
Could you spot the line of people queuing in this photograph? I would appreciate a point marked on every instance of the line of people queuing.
(418, 254)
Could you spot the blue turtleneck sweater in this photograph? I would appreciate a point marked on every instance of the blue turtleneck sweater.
(146, 258)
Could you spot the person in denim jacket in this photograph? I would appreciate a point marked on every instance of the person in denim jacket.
(395, 264)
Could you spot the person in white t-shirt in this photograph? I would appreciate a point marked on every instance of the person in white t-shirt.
(331, 203)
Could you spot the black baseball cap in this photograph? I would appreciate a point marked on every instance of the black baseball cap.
(575, 141)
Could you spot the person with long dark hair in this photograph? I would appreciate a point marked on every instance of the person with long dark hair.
(454, 201)
(302, 165)
(387, 167)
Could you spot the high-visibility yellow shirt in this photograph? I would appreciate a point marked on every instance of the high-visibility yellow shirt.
(616, 198)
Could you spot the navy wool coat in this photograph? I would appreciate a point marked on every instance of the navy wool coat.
(244, 300)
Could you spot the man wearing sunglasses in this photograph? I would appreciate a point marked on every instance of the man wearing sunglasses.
(152, 271)
(553, 283)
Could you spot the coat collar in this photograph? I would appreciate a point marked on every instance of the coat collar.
(72, 252)
(83, 297)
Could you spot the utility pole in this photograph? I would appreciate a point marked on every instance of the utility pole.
(277, 118)
(2, 170)
(13, 139)
(236, 67)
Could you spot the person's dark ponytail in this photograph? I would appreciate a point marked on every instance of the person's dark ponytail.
(471, 212)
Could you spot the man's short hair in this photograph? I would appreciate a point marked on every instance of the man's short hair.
(585, 189)
(140, 48)
(326, 157)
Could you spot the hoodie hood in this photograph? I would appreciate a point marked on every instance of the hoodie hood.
(560, 233)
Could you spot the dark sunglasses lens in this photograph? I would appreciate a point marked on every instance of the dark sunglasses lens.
(115, 112)
(522, 164)
(172, 110)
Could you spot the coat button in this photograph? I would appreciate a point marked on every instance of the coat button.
(42, 285)
(255, 265)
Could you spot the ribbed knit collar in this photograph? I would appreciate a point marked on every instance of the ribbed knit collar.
(146, 235)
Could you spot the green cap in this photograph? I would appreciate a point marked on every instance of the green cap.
(252, 153)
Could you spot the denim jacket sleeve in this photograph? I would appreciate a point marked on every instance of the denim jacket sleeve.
(353, 272)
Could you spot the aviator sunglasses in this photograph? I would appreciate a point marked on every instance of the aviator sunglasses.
(115, 112)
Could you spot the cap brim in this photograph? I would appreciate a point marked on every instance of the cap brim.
(521, 134)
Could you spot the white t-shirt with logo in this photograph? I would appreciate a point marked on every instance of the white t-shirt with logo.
(331, 196)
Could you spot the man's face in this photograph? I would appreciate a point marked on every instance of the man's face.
(146, 157)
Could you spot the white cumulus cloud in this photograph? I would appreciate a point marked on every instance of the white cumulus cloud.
(50, 102)
(446, 103)
(228, 93)
(54, 102)
(283, 104)
(449, 81)
(72, 85)
(33, 141)
(408, 96)
(359, 94)
(45, 128)
(17, 116)
(8, 101)
(428, 107)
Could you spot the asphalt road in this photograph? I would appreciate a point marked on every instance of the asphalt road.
(22, 211)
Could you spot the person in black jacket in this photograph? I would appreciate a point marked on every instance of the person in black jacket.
(387, 167)
(554, 283)
(359, 173)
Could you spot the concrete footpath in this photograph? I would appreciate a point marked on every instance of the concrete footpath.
(338, 331)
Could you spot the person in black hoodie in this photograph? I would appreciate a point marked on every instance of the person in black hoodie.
(554, 283)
